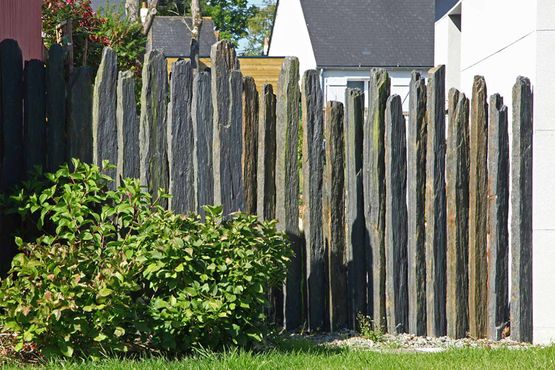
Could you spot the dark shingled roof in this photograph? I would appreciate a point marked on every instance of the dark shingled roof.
(171, 36)
(376, 33)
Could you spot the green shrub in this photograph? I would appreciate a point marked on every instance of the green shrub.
(114, 271)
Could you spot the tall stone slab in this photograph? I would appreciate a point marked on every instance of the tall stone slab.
(521, 313)
(478, 211)
(56, 147)
(181, 140)
(127, 127)
(202, 128)
(313, 168)
(498, 218)
(396, 216)
(374, 193)
(266, 165)
(79, 125)
(152, 127)
(287, 188)
(34, 109)
(416, 194)
(250, 143)
(334, 214)
(457, 167)
(435, 212)
(227, 90)
(356, 242)
(105, 140)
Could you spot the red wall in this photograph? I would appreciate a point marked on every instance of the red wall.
(21, 20)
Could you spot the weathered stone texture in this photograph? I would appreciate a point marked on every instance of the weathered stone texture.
(127, 127)
(266, 171)
(250, 143)
(79, 125)
(55, 108)
(34, 126)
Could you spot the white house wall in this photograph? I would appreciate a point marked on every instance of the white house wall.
(290, 35)
(448, 50)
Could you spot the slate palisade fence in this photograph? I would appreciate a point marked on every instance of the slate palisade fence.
(404, 216)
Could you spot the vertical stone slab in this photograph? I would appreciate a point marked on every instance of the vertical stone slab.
(435, 212)
(478, 211)
(334, 214)
(56, 148)
(374, 193)
(227, 129)
(105, 140)
(287, 188)
(152, 130)
(313, 168)
(416, 188)
(266, 166)
(127, 127)
(356, 244)
(396, 216)
(181, 144)
(498, 218)
(34, 126)
(202, 128)
(457, 167)
(79, 125)
(250, 143)
(521, 217)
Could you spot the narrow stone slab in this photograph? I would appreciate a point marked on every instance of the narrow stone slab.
(396, 216)
(56, 146)
(313, 168)
(416, 187)
(202, 127)
(127, 127)
(250, 143)
(266, 172)
(105, 142)
(181, 144)
(334, 214)
(498, 218)
(287, 189)
(227, 92)
(152, 130)
(521, 217)
(34, 126)
(356, 245)
(374, 193)
(435, 213)
(80, 101)
(478, 211)
(457, 167)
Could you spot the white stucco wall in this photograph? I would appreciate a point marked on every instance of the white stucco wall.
(502, 39)
(290, 35)
(448, 50)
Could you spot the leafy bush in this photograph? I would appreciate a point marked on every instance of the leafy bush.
(111, 270)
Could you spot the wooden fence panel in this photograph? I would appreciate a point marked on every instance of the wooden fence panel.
(105, 139)
(127, 127)
(79, 112)
(34, 121)
(416, 187)
(181, 143)
(435, 212)
(457, 167)
(313, 166)
(250, 143)
(396, 216)
(478, 200)
(521, 218)
(152, 130)
(334, 214)
(498, 218)
(374, 192)
(56, 142)
(287, 188)
(356, 242)
(202, 129)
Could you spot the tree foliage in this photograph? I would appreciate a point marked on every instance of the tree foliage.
(260, 27)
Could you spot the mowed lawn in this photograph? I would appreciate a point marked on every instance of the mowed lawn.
(304, 355)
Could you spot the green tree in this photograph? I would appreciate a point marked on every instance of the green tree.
(260, 27)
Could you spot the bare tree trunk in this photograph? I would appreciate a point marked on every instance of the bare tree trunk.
(196, 14)
(132, 10)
